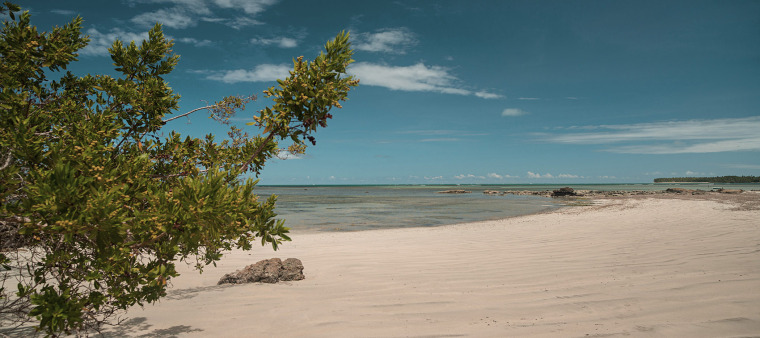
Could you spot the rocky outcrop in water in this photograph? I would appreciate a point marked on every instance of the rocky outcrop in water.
(562, 192)
(455, 192)
(266, 271)
(608, 193)
(730, 191)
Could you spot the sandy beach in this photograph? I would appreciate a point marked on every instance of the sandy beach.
(667, 267)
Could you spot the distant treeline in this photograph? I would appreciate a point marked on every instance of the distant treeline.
(719, 179)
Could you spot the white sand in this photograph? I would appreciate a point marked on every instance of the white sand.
(638, 267)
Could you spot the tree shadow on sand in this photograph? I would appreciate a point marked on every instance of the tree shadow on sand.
(23, 331)
(133, 327)
(179, 294)
(138, 327)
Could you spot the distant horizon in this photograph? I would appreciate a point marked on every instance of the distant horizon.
(495, 184)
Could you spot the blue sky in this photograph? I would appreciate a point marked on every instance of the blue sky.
(473, 91)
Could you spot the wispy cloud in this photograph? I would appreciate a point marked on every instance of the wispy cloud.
(262, 73)
(469, 176)
(251, 7)
(100, 42)
(743, 166)
(433, 135)
(414, 78)
(550, 176)
(187, 13)
(196, 42)
(500, 176)
(513, 112)
(441, 139)
(391, 40)
(284, 154)
(432, 132)
(280, 41)
(535, 175)
(176, 18)
(674, 137)
(487, 95)
(241, 22)
(63, 12)
(489, 177)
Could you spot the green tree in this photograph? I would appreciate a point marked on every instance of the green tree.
(95, 206)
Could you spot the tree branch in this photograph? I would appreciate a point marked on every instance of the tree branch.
(177, 175)
(257, 152)
(7, 159)
(188, 113)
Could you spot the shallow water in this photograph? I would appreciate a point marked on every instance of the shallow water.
(351, 208)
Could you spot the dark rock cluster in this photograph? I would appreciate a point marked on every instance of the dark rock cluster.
(563, 192)
(455, 192)
(266, 271)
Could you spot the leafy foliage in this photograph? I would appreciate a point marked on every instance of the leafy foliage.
(95, 206)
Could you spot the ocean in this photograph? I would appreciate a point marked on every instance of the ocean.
(355, 208)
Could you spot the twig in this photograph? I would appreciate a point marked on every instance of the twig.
(177, 175)
(257, 152)
(190, 112)
(7, 159)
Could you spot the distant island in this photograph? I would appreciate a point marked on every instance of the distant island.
(717, 179)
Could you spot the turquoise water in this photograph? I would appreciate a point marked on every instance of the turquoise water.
(352, 208)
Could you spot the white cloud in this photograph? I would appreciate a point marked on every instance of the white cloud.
(241, 22)
(675, 137)
(170, 17)
(251, 7)
(550, 176)
(500, 176)
(196, 42)
(513, 112)
(63, 12)
(534, 175)
(695, 173)
(284, 154)
(415, 78)
(282, 42)
(100, 42)
(262, 73)
(187, 13)
(487, 95)
(196, 6)
(418, 77)
(746, 144)
(469, 176)
(392, 40)
(567, 176)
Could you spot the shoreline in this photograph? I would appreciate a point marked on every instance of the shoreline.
(683, 266)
